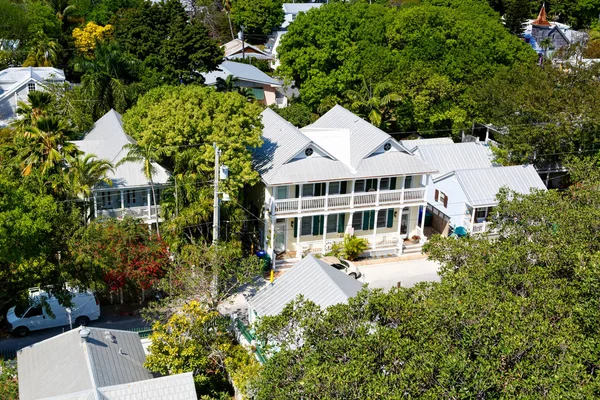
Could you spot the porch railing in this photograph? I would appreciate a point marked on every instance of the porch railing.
(135, 212)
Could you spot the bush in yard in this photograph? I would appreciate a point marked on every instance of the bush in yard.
(354, 246)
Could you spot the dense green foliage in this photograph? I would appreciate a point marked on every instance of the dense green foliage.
(257, 16)
(426, 55)
(9, 385)
(511, 318)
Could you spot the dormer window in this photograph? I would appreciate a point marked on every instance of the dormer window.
(31, 86)
(308, 152)
(387, 146)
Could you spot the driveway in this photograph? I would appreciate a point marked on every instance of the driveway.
(408, 273)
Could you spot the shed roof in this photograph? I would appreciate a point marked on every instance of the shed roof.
(241, 71)
(312, 278)
(482, 185)
(451, 157)
(106, 141)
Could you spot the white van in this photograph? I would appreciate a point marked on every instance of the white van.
(33, 317)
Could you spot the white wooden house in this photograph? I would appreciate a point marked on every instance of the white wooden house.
(338, 175)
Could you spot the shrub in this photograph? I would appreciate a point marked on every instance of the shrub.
(353, 247)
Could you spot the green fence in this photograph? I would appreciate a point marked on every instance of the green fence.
(250, 337)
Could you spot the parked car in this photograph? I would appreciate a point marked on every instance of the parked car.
(34, 316)
(343, 265)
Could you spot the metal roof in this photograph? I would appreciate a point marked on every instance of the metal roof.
(241, 71)
(173, 387)
(282, 141)
(412, 144)
(233, 49)
(66, 364)
(18, 76)
(106, 141)
(451, 157)
(482, 185)
(312, 278)
(295, 8)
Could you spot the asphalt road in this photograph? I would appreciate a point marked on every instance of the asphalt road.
(408, 273)
(108, 320)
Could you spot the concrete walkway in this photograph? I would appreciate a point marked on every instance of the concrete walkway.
(405, 273)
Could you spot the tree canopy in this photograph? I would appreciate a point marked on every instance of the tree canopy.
(259, 17)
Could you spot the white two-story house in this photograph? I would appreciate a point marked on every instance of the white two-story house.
(339, 175)
(16, 83)
(130, 192)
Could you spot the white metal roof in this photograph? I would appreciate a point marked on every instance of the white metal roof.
(241, 71)
(172, 387)
(414, 143)
(482, 185)
(295, 8)
(348, 152)
(233, 49)
(312, 278)
(451, 157)
(106, 141)
(16, 77)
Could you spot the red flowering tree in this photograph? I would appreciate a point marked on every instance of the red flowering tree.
(111, 254)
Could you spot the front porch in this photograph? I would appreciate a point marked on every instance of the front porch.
(477, 220)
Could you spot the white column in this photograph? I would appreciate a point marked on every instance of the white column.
(300, 198)
(473, 211)
(349, 223)
(402, 187)
(298, 228)
(326, 195)
(272, 245)
(122, 198)
(400, 239)
(266, 230)
(148, 194)
(423, 224)
(95, 205)
(324, 232)
(353, 183)
(374, 245)
(377, 193)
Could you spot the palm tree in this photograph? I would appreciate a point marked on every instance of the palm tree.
(44, 146)
(375, 103)
(148, 155)
(226, 85)
(85, 172)
(546, 44)
(43, 52)
(36, 107)
(105, 78)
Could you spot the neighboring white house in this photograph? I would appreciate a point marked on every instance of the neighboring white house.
(338, 175)
(412, 144)
(312, 278)
(236, 49)
(262, 85)
(17, 82)
(130, 192)
(291, 11)
(467, 197)
(95, 364)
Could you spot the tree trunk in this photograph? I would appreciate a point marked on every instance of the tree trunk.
(155, 206)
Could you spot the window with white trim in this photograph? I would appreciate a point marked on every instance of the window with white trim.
(382, 218)
(334, 187)
(313, 189)
(306, 227)
(357, 218)
(281, 192)
(441, 197)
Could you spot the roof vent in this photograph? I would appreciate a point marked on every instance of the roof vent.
(84, 333)
(309, 152)
(387, 146)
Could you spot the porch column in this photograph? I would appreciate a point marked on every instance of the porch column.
(402, 187)
(298, 234)
(377, 193)
(324, 232)
(122, 198)
(326, 196)
(272, 245)
(353, 183)
(95, 205)
(266, 230)
(423, 224)
(400, 239)
(472, 219)
(300, 198)
(349, 223)
(148, 194)
(374, 245)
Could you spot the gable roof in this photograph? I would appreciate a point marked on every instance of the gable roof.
(233, 49)
(106, 141)
(18, 76)
(482, 185)
(412, 144)
(451, 157)
(241, 71)
(275, 161)
(312, 278)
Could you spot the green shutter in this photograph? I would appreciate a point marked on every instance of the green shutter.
(296, 227)
(372, 220)
(341, 223)
(343, 187)
(390, 217)
(297, 191)
(321, 224)
(365, 220)
(393, 183)
(315, 225)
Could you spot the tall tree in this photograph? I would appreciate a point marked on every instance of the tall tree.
(258, 17)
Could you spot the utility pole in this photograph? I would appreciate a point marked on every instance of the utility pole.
(216, 196)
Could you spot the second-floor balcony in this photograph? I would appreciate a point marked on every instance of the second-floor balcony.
(350, 201)
(141, 212)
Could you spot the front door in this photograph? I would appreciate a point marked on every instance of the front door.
(280, 237)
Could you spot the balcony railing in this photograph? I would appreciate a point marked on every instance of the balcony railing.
(349, 201)
(135, 212)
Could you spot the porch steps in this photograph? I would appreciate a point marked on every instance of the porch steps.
(412, 248)
(285, 263)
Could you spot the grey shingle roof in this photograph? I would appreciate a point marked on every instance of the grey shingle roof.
(282, 141)
(482, 185)
(316, 280)
(108, 366)
(106, 141)
(414, 143)
(241, 71)
(451, 157)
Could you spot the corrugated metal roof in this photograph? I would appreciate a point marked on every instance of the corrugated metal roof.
(482, 185)
(411, 145)
(106, 141)
(18, 76)
(173, 387)
(295, 8)
(65, 364)
(451, 157)
(241, 71)
(282, 141)
(314, 279)
(233, 47)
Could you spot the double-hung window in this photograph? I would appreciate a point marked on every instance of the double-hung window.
(441, 197)
(281, 192)
(336, 223)
(313, 189)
